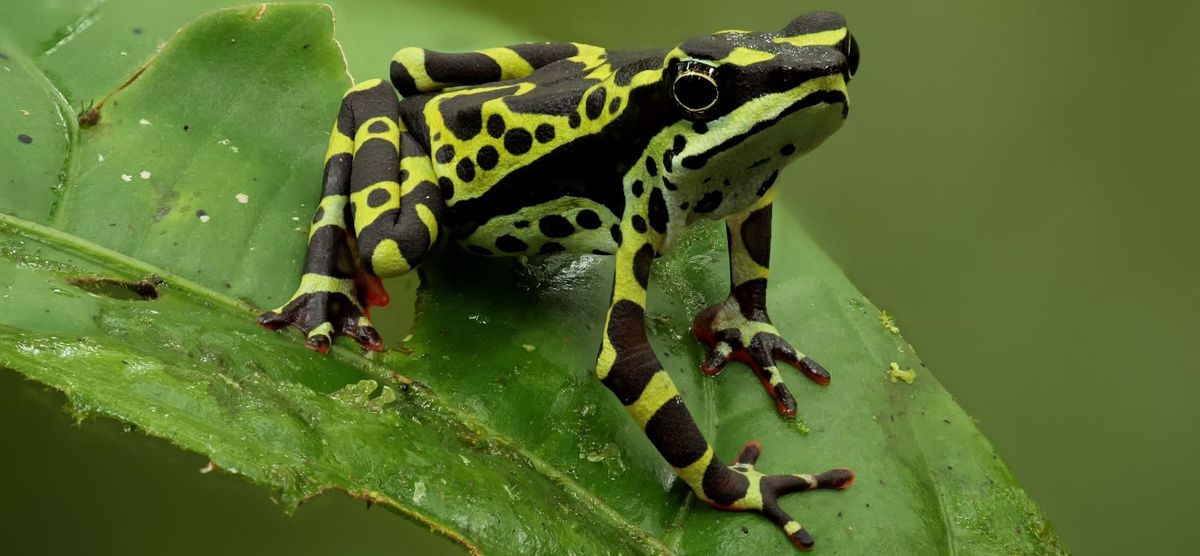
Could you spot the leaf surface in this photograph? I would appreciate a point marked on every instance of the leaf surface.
(203, 170)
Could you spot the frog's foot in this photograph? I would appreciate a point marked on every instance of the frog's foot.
(770, 487)
(323, 308)
(731, 336)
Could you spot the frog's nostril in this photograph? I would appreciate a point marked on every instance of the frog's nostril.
(852, 54)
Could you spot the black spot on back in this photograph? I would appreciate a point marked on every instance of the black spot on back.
(651, 166)
(636, 188)
(658, 211)
(573, 120)
(670, 185)
(787, 149)
(595, 102)
(444, 154)
(447, 187)
(667, 155)
(679, 143)
(463, 114)
(510, 244)
(639, 223)
(544, 133)
(377, 127)
(518, 141)
(319, 215)
(378, 197)
(555, 225)
(700, 127)
(588, 219)
(614, 105)
(495, 125)
(551, 247)
(488, 157)
(709, 202)
(615, 231)
(521, 224)
(465, 169)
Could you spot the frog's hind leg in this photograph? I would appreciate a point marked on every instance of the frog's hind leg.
(336, 290)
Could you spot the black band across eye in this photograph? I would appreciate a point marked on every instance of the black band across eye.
(695, 89)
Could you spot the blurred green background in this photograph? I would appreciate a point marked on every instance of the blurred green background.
(1013, 184)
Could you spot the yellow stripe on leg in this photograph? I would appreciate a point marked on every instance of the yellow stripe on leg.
(693, 474)
(658, 392)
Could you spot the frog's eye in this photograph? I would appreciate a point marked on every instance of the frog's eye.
(694, 87)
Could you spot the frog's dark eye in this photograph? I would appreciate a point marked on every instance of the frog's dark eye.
(695, 89)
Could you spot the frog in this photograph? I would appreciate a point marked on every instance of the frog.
(540, 148)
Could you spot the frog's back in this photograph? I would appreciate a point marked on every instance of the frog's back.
(535, 164)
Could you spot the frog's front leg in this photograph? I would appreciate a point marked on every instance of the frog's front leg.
(739, 328)
(379, 178)
(628, 366)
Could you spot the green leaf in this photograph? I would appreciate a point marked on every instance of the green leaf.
(202, 171)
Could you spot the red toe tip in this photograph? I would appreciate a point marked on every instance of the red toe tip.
(846, 484)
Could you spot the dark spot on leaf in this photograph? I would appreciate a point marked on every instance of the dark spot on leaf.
(128, 290)
(89, 118)
(137, 30)
(24, 138)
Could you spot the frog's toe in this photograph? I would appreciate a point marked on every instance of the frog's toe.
(322, 316)
(788, 354)
(772, 487)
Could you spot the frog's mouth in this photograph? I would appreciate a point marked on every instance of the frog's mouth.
(826, 97)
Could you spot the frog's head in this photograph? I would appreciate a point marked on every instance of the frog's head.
(755, 101)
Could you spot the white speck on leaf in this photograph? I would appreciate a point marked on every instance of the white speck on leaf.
(202, 215)
(123, 53)
(418, 492)
(464, 459)
(24, 112)
(126, 178)
(144, 121)
(100, 157)
(144, 174)
(295, 218)
(243, 198)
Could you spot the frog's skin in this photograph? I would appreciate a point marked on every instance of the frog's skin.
(538, 148)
